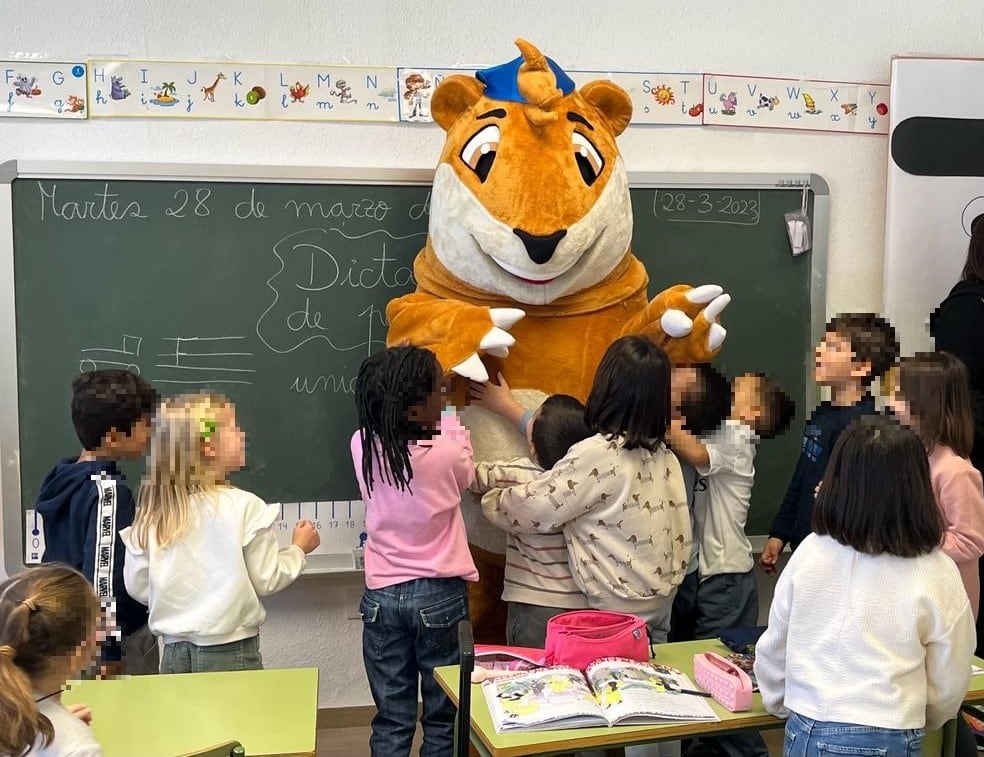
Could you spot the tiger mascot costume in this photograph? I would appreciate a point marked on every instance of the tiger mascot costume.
(527, 269)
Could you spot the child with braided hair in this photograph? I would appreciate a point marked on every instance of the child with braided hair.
(412, 463)
(49, 622)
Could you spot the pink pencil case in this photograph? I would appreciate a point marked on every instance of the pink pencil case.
(726, 682)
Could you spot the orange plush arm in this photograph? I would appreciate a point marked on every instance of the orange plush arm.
(683, 321)
(454, 331)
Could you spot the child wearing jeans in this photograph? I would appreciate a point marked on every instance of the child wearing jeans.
(202, 552)
(412, 465)
(538, 581)
(870, 632)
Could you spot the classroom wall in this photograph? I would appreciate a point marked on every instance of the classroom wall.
(836, 39)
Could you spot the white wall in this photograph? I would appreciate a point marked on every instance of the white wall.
(836, 39)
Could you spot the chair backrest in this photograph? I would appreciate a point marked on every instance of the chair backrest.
(225, 749)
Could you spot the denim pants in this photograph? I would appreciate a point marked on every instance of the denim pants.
(185, 657)
(806, 737)
(408, 630)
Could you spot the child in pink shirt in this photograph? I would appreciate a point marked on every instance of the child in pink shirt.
(932, 396)
(412, 464)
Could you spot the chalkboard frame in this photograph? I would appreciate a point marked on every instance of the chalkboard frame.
(11, 522)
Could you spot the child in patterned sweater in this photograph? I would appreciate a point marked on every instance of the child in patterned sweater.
(619, 495)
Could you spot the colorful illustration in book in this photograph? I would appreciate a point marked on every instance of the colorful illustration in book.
(26, 87)
(811, 105)
(117, 89)
(164, 95)
(298, 92)
(210, 90)
(75, 104)
(416, 96)
(696, 110)
(255, 95)
(609, 694)
(729, 104)
(768, 102)
(849, 109)
(664, 95)
(343, 91)
(518, 698)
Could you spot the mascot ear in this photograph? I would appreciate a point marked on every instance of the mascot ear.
(454, 96)
(612, 101)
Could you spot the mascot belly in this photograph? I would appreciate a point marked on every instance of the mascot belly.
(527, 269)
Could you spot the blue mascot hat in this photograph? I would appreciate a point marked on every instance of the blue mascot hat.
(501, 81)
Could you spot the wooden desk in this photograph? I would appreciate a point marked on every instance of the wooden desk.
(270, 712)
(681, 656)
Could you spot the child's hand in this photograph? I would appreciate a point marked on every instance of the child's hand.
(306, 536)
(82, 712)
(770, 555)
(497, 398)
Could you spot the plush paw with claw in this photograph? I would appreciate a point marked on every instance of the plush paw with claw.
(496, 341)
(458, 333)
(684, 321)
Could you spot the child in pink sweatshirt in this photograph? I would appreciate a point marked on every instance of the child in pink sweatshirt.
(932, 396)
(412, 464)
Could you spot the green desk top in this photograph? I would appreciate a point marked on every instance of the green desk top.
(267, 711)
(681, 656)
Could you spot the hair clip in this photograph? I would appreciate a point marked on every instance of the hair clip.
(30, 604)
(208, 428)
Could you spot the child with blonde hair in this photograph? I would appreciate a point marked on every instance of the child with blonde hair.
(49, 622)
(202, 552)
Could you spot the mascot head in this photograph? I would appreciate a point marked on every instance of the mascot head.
(530, 199)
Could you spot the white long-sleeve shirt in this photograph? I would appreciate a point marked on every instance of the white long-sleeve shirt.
(874, 640)
(624, 516)
(205, 588)
(721, 504)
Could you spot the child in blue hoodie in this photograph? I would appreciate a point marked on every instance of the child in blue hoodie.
(85, 501)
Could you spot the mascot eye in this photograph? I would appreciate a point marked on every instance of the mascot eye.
(479, 153)
(589, 161)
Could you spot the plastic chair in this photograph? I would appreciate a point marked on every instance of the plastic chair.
(225, 749)
(462, 723)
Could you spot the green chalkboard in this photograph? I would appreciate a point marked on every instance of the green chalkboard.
(273, 293)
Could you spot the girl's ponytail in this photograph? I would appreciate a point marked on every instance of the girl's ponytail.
(20, 721)
(45, 614)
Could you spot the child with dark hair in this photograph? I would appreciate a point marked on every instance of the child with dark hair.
(856, 349)
(538, 581)
(619, 495)
(932, 398)
(722, 450)
(85, 501)
(49, 627)
(870, 632)
(412, 464)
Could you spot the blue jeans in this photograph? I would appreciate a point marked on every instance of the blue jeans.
(185, 657)
(408, 630)
(806, 737)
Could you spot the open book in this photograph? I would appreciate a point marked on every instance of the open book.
(612, 691)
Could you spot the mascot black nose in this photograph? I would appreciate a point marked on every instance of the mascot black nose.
(540, 248)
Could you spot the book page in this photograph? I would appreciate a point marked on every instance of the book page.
(631, 693)
(556, 697)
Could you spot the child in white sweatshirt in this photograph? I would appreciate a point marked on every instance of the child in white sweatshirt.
(870, 632)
